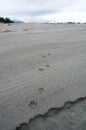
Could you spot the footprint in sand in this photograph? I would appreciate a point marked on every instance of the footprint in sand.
(32, 104)
(41, 69)
(49, 54)
(25, 29)
(47, 65)
(43, 56)
(41, 90)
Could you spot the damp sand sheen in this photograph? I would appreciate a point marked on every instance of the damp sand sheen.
(43, 77)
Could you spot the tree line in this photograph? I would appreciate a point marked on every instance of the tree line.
(5, 20)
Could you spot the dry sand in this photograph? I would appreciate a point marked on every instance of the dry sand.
(42, 66)
(1, 30)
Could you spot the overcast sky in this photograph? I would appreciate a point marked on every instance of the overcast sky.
(44, 10)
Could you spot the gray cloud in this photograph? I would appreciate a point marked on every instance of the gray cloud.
(42, 12)
(35, 13)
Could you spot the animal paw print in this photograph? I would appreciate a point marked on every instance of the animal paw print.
(32, 104)
(41, 90)
(41, 69)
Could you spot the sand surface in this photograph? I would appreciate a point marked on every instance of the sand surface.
(42, 66)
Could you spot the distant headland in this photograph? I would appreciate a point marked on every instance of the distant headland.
(5, 20)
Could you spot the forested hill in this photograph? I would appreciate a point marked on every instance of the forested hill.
(5, 20)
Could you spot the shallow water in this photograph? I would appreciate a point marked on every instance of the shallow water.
(71, 117)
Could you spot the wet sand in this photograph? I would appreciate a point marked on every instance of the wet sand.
(71, 116)
(42, 66)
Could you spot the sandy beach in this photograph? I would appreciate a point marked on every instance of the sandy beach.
(42, 67)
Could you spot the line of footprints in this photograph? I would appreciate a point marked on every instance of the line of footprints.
(42, 69)
(32, 104)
